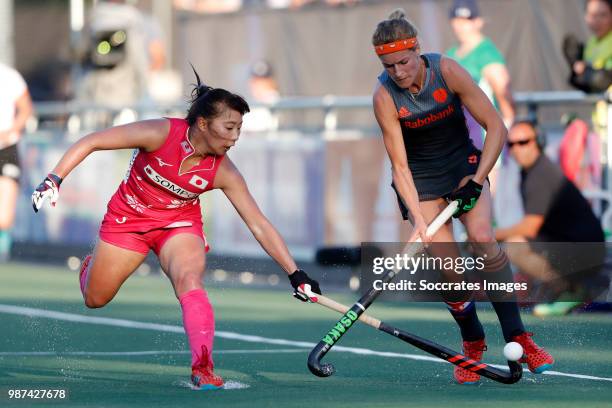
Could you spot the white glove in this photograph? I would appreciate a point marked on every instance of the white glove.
(48, 189)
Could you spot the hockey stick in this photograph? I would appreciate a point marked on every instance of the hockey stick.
(354, 313)
(325, 370)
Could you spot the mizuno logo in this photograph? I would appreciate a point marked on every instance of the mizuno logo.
(162, 163)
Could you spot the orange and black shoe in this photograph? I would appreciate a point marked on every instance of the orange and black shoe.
(537, 359)
(203, 376)
(474, 351)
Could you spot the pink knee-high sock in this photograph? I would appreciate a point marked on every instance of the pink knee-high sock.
(199, 323)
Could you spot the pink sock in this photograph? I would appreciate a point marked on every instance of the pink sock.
(199, 323)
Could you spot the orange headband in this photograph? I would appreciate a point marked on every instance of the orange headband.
(405, 44)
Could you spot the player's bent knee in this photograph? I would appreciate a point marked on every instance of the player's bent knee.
(189, 278)
(482, 236)
(94, 301)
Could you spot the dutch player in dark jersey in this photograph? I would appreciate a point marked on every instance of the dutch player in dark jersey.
(157, 207)
(418, 103)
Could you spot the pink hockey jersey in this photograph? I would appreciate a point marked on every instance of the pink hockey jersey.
(155, 193)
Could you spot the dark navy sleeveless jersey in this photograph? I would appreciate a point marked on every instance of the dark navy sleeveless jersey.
(433, 124)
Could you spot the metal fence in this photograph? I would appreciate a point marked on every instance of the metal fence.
(333, 193)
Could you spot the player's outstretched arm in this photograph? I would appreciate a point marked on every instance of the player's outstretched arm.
(148, 135)
(232, 183)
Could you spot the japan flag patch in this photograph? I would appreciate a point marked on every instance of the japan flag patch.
(186, 146)
(198, 182)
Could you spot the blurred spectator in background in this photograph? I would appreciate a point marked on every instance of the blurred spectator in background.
(262, 84)
(124, 47)
(15, 109)
(263, 90)
(555, 212)
(480, 57)
(580, 153)
(591, 64)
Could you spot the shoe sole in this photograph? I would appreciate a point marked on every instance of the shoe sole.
(542, 368)
(468, 382)
(208, 387)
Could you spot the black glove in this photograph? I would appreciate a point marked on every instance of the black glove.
(467, 197)
(304, 286)
(573, 49)
(47, 190)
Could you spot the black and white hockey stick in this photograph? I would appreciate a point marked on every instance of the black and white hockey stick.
(356, 312)
(350, 316)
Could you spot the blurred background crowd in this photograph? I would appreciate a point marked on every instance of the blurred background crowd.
(310, 150)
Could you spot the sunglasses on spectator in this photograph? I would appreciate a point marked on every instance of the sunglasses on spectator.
(518, 142)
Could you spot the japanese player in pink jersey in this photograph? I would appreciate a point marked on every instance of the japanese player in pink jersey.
(157, 207)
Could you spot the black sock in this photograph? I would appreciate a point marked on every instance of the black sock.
(465, 315)
(497, 270)
(462, 307)
(509, 318)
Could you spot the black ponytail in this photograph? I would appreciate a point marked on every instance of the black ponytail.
(199, 88)
(209, 102)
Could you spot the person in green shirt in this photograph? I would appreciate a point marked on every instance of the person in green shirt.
(480, 57)
(591, 63)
